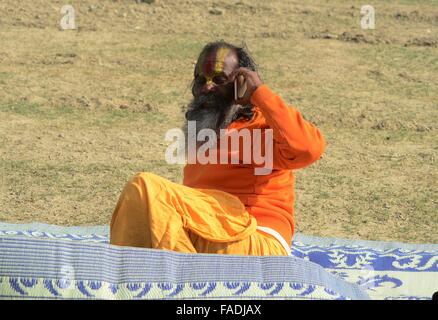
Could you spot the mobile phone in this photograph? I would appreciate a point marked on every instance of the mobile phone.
(239, 87)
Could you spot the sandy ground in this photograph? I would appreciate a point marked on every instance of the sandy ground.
(83, 110)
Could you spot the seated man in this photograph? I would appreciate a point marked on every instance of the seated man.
(224, 208)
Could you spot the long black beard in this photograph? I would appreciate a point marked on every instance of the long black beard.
(214, 112)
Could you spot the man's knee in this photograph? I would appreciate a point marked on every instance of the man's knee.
(146, 177)
(141, 176)
(138, 181)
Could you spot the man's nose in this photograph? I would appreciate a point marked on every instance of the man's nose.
(208, 86)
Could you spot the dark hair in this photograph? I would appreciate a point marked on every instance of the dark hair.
(245, 59)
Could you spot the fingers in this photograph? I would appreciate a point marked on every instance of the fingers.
(241, 70)
(248, 81)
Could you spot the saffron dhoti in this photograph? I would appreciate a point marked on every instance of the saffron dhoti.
(153, 212)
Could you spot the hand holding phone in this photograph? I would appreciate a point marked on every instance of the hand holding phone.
(245, 83)
(239, 87)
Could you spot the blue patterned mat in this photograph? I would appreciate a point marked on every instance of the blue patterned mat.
(44, 261)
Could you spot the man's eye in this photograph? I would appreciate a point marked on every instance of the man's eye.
(219, 80)
(200, 80)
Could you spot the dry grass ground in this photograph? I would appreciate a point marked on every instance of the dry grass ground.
(82, 110)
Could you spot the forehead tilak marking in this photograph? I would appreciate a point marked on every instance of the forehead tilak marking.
(220, 59)
(214, 62)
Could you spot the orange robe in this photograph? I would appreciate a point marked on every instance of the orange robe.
(269, 198)
(224, 208)
(153, 212)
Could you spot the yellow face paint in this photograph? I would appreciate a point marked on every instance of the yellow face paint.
(220, 58)
(213, 64)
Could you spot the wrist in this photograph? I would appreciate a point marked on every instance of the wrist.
(259, 93)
